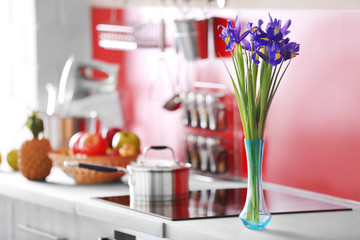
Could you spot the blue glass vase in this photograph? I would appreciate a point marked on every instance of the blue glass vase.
(255, 214)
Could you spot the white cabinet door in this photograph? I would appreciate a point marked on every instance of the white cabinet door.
(34, 222)
(21, 220)
(5, 218)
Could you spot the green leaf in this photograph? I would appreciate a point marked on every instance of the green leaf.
(241, 103)
(265, 86)
(251, 108)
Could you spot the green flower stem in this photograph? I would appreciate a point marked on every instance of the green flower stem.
(254, 89)
(254, 74)
(254, 175)
(264, 97)
(252, 109)
(240, 97)
(239, 54)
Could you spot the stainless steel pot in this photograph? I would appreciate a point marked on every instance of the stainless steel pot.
(151, 180)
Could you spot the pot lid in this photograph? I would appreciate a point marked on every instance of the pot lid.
(158, 165)
(145, 164)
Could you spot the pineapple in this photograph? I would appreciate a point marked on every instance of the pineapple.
(34, 162)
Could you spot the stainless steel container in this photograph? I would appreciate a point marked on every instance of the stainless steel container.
(59, 129)
(192, 38)
(158, 180)
(151, 180)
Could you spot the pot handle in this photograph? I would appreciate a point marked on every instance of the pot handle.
(99, 168)
(159, 147)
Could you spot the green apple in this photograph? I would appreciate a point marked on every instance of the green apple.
(125, 137)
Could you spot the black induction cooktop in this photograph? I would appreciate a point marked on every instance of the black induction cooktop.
(215, 203)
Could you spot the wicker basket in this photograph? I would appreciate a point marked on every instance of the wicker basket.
(85, 176)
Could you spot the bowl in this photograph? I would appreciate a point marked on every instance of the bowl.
(85, 176)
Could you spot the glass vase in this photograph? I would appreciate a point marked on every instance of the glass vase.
(255, 214)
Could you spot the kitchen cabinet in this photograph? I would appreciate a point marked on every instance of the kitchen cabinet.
(23, 220)
(5, 216)
(26, 221)
(60, 209)
(30, 211)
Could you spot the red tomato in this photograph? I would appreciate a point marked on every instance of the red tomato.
(92, 144)
(74, 142)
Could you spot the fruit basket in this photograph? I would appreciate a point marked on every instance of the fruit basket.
(85, 176)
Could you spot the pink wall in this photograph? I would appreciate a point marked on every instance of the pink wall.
(312, 128)
(314, 122)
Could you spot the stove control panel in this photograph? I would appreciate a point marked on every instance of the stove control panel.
(124, 236)
(119, 236)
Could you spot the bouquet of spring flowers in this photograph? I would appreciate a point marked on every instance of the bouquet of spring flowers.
(259, 66)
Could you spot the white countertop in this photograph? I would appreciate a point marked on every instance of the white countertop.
(61, 193)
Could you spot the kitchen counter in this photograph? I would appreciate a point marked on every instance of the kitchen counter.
(60, 193)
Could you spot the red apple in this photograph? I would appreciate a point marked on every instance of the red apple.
(92, 144)
(108, 134)
(74, 142)
(112, 152)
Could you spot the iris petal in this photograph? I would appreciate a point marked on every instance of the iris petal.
(274, 34)
(290, 50)
(246, 44)
(237, 30)
(262, 55)
(275, 58)
(285, 28)
(255, 58)
(262, 39)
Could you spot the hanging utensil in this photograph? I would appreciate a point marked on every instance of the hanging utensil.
(51, 104)
(173, 103)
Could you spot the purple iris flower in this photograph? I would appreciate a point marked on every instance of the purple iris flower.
(262, 39)
(256, 50)
(278, 48)
(290, 50)
(232, 35)
(257, 34)
(237, 31)
(227, 34)
(275, 31)
(258, 53)
(255, 30)
(274, 49)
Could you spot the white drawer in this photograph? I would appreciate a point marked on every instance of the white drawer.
(35, 222)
